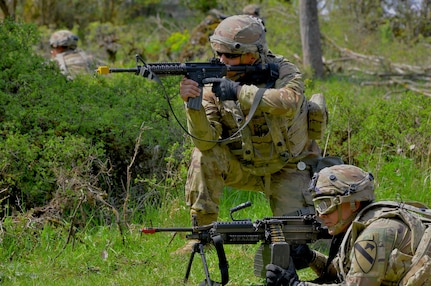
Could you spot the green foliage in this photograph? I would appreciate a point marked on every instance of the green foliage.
(379, 130)
(399, 174)
(200, 5)
(104, 256)
(48, 123)
(176, 42)
(386, 33)
(17, 240)
(105, 113)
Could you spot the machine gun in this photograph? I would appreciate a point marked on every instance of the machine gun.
(274, 233)
(255, 74)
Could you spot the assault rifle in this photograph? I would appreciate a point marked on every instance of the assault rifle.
(255, 74)
(274, 233)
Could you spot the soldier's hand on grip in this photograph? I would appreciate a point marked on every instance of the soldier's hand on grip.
(301, 255)
(277, 276)
(189, 89)
(224, 88)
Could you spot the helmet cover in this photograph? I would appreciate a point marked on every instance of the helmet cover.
(64, 38)
(347, 182)
(240, 34)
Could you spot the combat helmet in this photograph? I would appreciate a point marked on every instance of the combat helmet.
(240, 34)
(252, 9)
(338, 184)
(64, 38)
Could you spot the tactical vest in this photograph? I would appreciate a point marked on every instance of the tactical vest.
(317, 116)
(269, 142)
(285, 139)
(415, 268)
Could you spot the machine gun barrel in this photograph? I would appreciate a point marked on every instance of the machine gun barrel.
(151, 230)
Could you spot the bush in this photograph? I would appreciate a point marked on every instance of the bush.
(380, 130)
(53, 128)
(118, 132)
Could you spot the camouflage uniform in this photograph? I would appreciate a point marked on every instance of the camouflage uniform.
(252, 9)
(72, 61)
(378, 247)
(265, 158)
(197, 46)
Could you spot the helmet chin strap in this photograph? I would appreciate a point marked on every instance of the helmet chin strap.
(340, 226)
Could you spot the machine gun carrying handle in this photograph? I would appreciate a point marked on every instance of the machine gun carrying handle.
(239, 207)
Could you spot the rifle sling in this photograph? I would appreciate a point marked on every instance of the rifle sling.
(273, 76)
(223, 264)
(255, 104)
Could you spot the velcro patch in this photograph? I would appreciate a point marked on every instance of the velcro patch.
(365, 254)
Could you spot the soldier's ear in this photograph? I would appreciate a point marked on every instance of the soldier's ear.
(251, 58)
(354, 206)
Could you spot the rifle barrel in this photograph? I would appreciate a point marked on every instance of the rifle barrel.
(111, 70)
(151, 230)
(107, 70)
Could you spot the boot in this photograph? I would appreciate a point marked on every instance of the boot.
(201, 219)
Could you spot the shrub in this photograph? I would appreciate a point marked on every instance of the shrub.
(53, 128)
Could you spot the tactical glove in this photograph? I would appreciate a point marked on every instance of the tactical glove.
(302, 255)
(277, 276)
(224, 88)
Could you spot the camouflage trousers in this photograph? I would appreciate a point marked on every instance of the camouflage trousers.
(210, 171)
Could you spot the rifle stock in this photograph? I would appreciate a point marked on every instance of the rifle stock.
(197, 72)
(274, 233)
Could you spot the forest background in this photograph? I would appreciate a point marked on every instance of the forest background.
(85, 164)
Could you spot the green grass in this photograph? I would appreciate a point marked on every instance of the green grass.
(35, 255)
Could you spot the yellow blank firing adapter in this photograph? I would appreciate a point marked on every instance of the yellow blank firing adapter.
(103, 70)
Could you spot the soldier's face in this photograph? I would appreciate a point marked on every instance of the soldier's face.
(338, 221)
(55, 51)
(237, 59)
(230, 59)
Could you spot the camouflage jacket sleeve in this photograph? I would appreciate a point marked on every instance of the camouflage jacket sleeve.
(204, 123)
(378, 256)
(284, 99)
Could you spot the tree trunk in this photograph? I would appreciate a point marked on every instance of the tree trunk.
(310, 36)
(5, 9)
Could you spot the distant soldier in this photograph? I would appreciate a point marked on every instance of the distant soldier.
(71, 60)
(198, 45)
(252, 10)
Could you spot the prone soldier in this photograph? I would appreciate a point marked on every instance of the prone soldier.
(374, 243)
